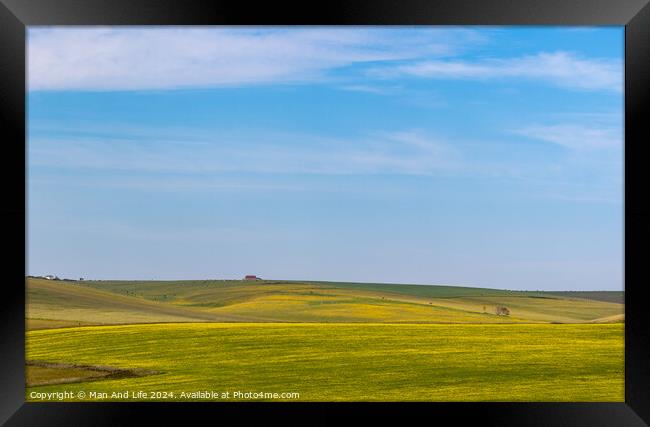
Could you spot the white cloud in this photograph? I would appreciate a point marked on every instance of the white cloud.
(139, 58)
(409, 152)
(577, 137)
(563, 69)
(377, 90)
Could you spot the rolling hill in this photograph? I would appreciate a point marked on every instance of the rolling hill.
(52, 304)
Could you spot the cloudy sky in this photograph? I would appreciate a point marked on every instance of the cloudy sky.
(484, 156)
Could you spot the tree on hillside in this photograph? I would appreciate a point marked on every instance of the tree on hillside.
(502, 311)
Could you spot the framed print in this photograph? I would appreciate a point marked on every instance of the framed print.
(334, 210)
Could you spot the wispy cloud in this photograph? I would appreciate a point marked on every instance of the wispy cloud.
(180, 57)
(377, 90)
(407, 152)
(577, 137)
(139, 58)
(564, 69)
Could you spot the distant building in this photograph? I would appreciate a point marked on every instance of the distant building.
(49, 277)
(251, 277)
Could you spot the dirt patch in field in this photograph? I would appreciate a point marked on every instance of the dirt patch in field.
(39, 373)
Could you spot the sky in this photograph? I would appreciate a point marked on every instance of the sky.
(470, 156)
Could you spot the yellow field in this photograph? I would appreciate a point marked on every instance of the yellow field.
(346, 362)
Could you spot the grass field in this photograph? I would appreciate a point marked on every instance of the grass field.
(325, 341)
(122, 302)
(370, 362)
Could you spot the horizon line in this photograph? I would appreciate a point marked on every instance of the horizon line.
(316, 281)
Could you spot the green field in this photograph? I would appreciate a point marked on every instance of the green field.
(325, 341)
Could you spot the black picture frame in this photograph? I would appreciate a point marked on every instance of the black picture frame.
(16, 15)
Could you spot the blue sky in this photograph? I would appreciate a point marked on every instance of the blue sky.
(483, 156)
